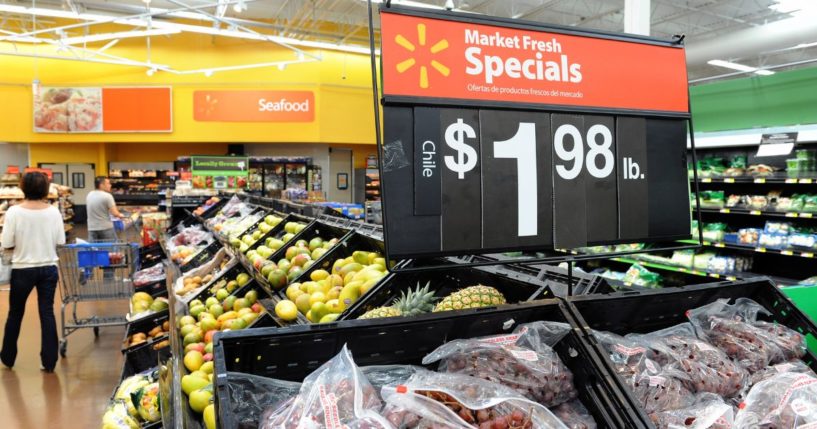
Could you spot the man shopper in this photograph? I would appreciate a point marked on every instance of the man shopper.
(32, 231)
(101, 205)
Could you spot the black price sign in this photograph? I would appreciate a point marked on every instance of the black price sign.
(478, 171)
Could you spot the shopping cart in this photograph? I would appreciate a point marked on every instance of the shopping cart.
(94, 272)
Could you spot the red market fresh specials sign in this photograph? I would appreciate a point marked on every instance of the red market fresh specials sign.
(426, 57)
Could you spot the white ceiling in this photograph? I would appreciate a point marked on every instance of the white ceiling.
(700, 20)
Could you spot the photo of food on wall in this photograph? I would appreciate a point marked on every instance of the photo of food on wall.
(72, 110)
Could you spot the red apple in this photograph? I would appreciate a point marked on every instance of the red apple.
(208, 357)
(257, 308)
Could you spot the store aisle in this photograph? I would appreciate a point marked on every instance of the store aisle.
(75, 395)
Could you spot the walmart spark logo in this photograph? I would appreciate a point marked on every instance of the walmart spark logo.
(438, 47)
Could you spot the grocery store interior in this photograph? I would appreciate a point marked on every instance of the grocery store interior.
(309, 229)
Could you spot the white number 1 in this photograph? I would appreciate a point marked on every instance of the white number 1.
(522, 147)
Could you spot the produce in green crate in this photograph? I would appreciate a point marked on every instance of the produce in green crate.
(416, 301)
(471, 297)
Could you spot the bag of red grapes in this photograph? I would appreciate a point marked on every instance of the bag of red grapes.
(736, 330)
(454, 401)
(654, 387)
(700, 366)
(524, 361)
(335, 396)
(574, 415)
(708, 412)
(785, 401)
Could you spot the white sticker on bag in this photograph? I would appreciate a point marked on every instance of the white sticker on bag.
(629, 351)
(651, 367)
(528, 355)
(801, 407)
(657, 381)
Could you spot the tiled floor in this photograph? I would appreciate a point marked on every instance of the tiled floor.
(76, 394)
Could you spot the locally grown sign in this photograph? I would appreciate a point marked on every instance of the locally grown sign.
(220, 172)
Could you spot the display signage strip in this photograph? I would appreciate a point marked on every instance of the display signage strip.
(253, 106)
(102, 110)
(443, 59)
(479, 154)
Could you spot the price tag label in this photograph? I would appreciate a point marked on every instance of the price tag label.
(726, 211)
(719, 245)
(805, 181)
(760, 180)
(791, 180)
(807, 255)
(728, 180)
(755, 212)
(760, 250)
(790, 214)
(498, 137)
(786, 252)
(806, 215)
(706, 180)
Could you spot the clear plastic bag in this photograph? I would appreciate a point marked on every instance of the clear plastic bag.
(574, 415)
(704, 368)
(436, 400)
(335, 396)
(523, 361)
(796, 366)
(251, 395)
(708, 412)
(736, 330)
(785, 401)
(654, 387)
(150, 275)
(385, 375)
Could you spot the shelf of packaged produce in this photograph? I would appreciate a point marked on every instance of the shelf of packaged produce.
(731, 276)
(759, 180)
(678, 269)
(750, 212)
(786, 252)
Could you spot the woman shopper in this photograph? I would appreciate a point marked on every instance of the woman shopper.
(31, 232)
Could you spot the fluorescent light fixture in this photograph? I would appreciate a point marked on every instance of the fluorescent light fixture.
(200, 29)
(91, 38)
(411, 3)
(240, 6)
(794, 7)
(208, 73)
(739, 67)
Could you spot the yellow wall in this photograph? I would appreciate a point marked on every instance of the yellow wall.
(341, 82)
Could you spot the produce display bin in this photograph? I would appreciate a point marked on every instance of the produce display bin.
(555, 277)
(210, 212)
(351, 243)
(404, 341)
(144, 326)
(516, 287)
(314, 229)
(151, 255)
(155, 289)
(805, 298)
(648, 311)
(230, 273)
(203, 256)
(263, 320)
(278, 230)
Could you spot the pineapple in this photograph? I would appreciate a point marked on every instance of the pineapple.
(471, 297)
(417, 301)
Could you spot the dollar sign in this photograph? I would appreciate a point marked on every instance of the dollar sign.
(455, 136)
